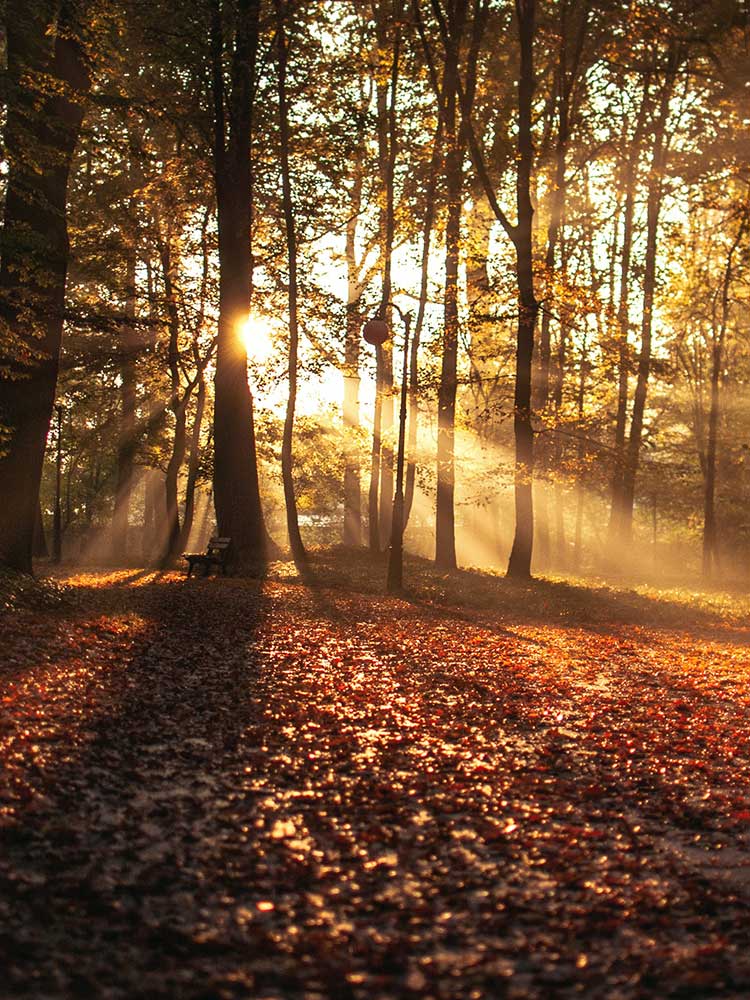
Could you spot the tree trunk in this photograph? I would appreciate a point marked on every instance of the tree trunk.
(387, 152)
(581, 456)
(709, 493)
(239, 514)
(519, 564)
(717, 366)
(427, 225)
(292, 522)
(40, 539)
(623, 318)
(127, 441)
(372, 496)
(178, 404)
(41, 131)
(154, 513)
(413, 425)
(385, 502)
(193, 461)
(653, 208)
(445, 535)
(567, 72)
(352, 472)
(561, 547)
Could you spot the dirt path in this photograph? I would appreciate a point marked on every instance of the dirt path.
(227, 789)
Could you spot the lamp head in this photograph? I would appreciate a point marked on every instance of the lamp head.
(375, 331)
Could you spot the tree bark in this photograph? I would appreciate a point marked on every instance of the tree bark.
(239, 513)
(372, 496)
(623, 317)
(386, 91)
(40, 539)
(445, 535)
(193, 461)
(47, 78)
(292, 521)
(178, 402)
(567, 73)
(717, 366)
(352, 471)
(427, 226)
(653, 209)
(580, 456)
(127, 438)
(519, 564)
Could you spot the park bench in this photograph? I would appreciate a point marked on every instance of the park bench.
(216, 554)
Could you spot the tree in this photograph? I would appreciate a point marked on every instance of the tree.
(292, 521)
(521, 236)
(48, 79)
(236, 491)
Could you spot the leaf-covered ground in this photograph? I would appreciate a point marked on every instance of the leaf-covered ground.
(226, 788)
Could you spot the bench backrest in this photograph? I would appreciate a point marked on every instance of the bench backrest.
(219, 545)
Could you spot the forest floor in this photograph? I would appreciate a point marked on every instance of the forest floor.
(282, 789)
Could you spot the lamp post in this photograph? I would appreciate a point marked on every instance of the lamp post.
(376, 332)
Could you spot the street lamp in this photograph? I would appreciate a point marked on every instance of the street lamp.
(376, 332)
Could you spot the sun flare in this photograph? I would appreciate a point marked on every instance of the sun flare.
(256, 334)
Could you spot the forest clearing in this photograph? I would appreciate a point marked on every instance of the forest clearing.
(286, 789)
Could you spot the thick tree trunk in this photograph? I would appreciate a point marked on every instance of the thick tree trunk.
(236, 489)
(519, 564)
(46, 79)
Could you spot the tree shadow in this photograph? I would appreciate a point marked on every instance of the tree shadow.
(101, 849)
(504, 603)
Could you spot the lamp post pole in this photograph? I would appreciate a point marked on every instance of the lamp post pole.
(376, 332)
